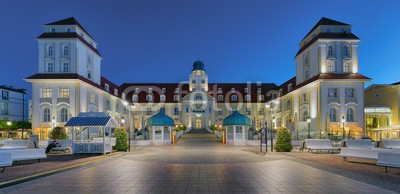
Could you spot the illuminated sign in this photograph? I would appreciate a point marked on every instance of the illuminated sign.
(378, 110)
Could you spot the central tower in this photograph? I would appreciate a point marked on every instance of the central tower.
(198, 79)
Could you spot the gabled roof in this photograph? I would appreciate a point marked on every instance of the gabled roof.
(68, 21)
(326, 22)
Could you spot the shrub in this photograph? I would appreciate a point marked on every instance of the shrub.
(58, 133)
(283, 140)
(181, 128)
(122, 139)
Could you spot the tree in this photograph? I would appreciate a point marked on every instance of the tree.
(122, 139)
(58, 133)
(283, 140)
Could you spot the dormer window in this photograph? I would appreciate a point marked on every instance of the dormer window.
(232, 89)
(134, 98)
(259, 90)
(176, 98)
(289, 87)
(137, 90)
(280, 92)
(219, 90)
(163, 90)
(115, 92)
(149, 98)
(176, 90)
(247, 98)
(246, 90)
(150, 90)
(220, 97)
(162, 98)
(234, 98)
(107, 87)
(261, 97)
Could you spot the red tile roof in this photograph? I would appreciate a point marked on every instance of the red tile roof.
(68, 35)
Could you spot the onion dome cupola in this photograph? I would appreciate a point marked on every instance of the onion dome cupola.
(236, 119)
(160, 119)
(198, 65)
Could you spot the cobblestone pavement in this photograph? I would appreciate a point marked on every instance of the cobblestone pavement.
(200, 165)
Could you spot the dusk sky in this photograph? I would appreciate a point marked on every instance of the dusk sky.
(238, 41)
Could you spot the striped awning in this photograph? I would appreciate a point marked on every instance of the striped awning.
(87, 121)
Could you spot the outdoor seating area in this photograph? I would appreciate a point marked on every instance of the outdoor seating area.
(10, 144)
(320, 145)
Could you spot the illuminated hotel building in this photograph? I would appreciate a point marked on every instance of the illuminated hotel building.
(325, 89)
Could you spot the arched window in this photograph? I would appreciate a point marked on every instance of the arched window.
(332, 115)
(304, 116)
(220, 98)
(66, 51)
(330, 51)
(50, 51)
(346, 67)
(331, 66)
(350, 115)
(46, 115)
(234, 98)
(63, 115)
(307, 72)
(346, 51)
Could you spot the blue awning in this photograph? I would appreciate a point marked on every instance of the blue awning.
(87, 121)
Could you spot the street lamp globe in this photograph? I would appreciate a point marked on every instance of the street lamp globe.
(8, 123)
(124, 102)
(308, 120)
(343, 120)
(122, 121)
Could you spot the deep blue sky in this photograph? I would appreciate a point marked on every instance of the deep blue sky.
(239, 41)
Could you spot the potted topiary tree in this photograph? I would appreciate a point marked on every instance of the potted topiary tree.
(283, 140)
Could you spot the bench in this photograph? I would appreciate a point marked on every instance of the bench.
(390, 143)
(65, 145)
(371, 154)
(5, 160)
(26, 154)
(359, 143)
(319, 145)
(388, 159)
(14, 144)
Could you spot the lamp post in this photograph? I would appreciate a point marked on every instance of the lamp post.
(132, 106)
(266, 135)
(272, 138)
(344, 131)
(8, 124)
(309, 130)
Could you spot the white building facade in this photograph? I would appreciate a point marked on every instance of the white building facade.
(13, 104)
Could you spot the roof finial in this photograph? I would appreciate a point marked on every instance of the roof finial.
(198, 59)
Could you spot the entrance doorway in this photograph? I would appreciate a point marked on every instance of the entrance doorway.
(198, 123)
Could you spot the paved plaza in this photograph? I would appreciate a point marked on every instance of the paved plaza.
(198, 163)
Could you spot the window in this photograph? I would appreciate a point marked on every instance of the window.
(307, 72)
(108, 104)
(89, 59)
(330, 51)
(176, 111)
(50, 51)
(377, 95)
(246, 90)
(234, 98)
(209, 110)
(4, 108)
(198, 97)
(289, 87)
(150, 90)
(349, 92)
(176, 90)
(261, 97)
(163, 90)
(288, 104)
(247, 98)
(304, 98)
(273, 96)
(220, 98)
(148, 112)
(203, 81)
(115, 92)
(64, 115)
(346, 51)
(66, 51)
(220, 112)
(107, 87)
(149, 98)
(64, 93)
(331, 67)
(350, 115)
(232, 89)
(89, 73)
(332, 115)
(118, 108)
(332, 92)
(46, 115)
(50, 67)
(280, 92)
(5, 95)
(68, 29)
(258, 90)
(53, 30)
(304, 116)
(47, 93)
(162, 98)
(248, 111)
(346, 67)
(123, 96)
(134, 98)
(92, 98)
(193, 81)
(176, 98)
(65, 67)
(219, 90)
(137, 90)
